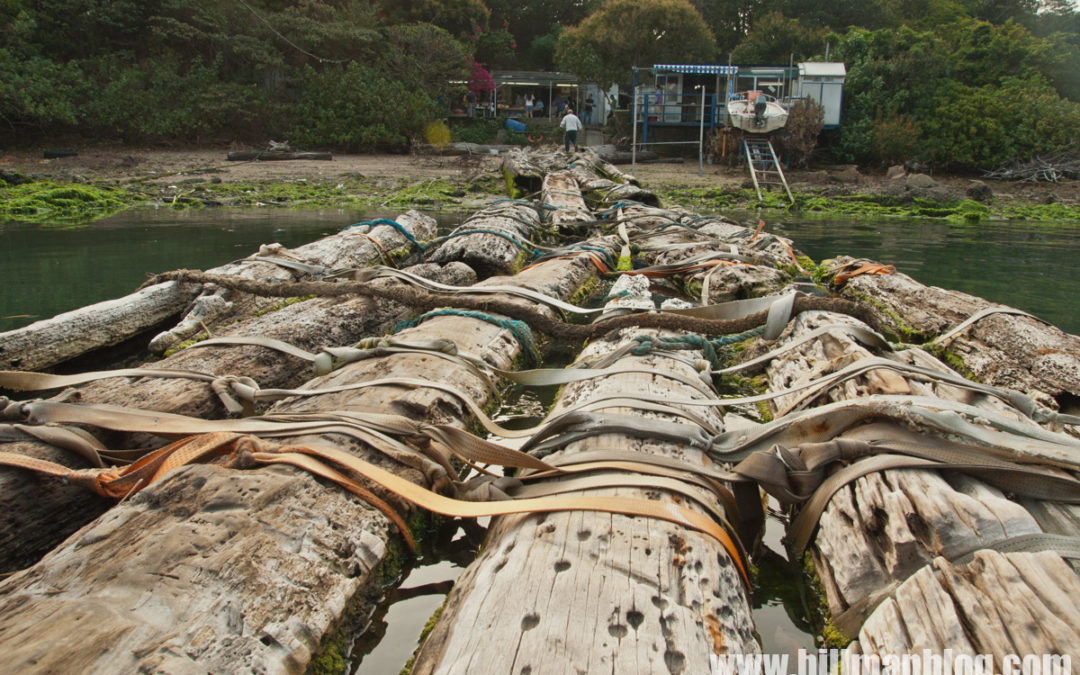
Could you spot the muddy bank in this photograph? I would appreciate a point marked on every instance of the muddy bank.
(123, 176)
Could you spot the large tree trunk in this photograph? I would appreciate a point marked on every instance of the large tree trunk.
(216, 569)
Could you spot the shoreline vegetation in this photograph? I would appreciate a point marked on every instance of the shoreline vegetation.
(74, 197)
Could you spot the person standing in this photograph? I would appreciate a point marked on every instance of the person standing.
(572, 124)
(587, 109)
(529, 104)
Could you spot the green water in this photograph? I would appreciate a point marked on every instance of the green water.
(52, 269)
(49, 269)
(1030, 266)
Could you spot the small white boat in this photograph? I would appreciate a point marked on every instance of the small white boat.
(757, 113)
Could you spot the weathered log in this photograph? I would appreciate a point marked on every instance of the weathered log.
(46, 343)
(887, 537)
(608, 593)
(38, 514)
(217, 569)
(560, 194)
(1004, 350)
(495, 240)
(275, 155)
(51, 341)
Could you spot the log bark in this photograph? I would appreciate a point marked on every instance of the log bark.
(218, 570)
(605, 593)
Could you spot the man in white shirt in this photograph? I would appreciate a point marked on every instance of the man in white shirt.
(571, 123)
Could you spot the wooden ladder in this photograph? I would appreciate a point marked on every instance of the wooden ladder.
(764, 166)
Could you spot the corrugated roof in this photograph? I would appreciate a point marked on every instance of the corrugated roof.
(696, 68)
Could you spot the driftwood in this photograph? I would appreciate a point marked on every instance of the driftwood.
(238, 580)
(51, 341)
(275, 155)
(885, 540)
(605, 593)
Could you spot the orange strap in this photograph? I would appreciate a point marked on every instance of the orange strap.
(866, 268)
(241, 449)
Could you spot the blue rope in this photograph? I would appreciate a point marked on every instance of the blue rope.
(519, 329)
(392, 223)
(618, 205)
(647, 343)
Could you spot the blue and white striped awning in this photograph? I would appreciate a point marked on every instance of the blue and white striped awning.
(695, 68)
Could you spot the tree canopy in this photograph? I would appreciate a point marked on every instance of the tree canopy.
(622, 34)
(952, 83)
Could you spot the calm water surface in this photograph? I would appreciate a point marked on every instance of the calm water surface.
(1031, 266)
(51, 269)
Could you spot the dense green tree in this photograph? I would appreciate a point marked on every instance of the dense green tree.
(973, 93)
(622, 34)
(535, 26)
(777, 39)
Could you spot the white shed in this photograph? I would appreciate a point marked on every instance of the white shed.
(823, 82)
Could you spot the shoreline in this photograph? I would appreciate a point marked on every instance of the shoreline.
(101, 181)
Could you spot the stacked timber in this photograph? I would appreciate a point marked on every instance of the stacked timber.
(40, 514)
(238, 581)
(620, 538)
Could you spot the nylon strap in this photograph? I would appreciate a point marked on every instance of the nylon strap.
(959, 328)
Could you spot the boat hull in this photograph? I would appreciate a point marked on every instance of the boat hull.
(742, 116)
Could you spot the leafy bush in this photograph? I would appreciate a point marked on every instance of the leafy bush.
(476, 131)
(357, 107)
(895, 140)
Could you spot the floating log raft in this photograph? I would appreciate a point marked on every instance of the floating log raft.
(40, 514)
(299, 578)
(243, 563)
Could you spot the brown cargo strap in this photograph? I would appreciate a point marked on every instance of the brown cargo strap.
(320, 460)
